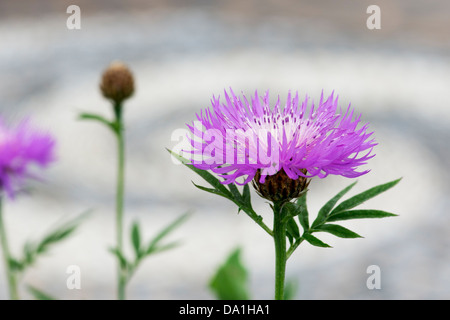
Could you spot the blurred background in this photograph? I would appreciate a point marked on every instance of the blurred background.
(183, 52)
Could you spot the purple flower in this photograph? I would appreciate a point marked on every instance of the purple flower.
(241, 137)
(22, 148)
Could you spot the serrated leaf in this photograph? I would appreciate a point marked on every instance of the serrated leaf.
(314, 241)
(363, 196)
(231, 279)
(136, 239)
(359, 214)
(207, 176)
(326, 209)
(153, 245)
(39, 294)
(338, 231)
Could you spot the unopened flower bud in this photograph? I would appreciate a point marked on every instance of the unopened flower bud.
(279, 187)
(117, 82)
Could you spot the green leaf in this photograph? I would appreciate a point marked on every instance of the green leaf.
(292, 230)
(338, 231)
(303, 212)
(289, 210)
(119, 255)
(314, 241)
(136, 239)
(326, 209)
(243, 200)
(28, 253)
(39, 294)
(16, 265)
(231, 280)
(235, 192)
(290, 289)
(363, 196)
(359, 214)
(246, 196)
(90, 116)
(153, 245)
(207, 176)
(32, 250)
(210, 190)
(211, 179)
(55, 236)
(165, 247)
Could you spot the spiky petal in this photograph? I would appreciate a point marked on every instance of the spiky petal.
(22, 148)
(239, 136)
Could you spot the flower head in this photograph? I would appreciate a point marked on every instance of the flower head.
(117, 82)
(242, 137)
(21, 148)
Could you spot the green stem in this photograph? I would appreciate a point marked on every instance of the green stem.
(121, 275)
(293, 247)
(12, 283)
(279, 236)
(258, 219)
(265, 228)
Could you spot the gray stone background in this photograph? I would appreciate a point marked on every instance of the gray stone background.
(183, 52)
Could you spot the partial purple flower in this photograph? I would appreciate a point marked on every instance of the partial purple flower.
(242, 137)
(21, 149)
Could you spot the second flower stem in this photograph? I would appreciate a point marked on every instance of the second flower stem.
(12, 283)
(279, 236)
(121, 275)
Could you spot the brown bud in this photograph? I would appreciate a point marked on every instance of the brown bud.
(279, 187)
(117, 82)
